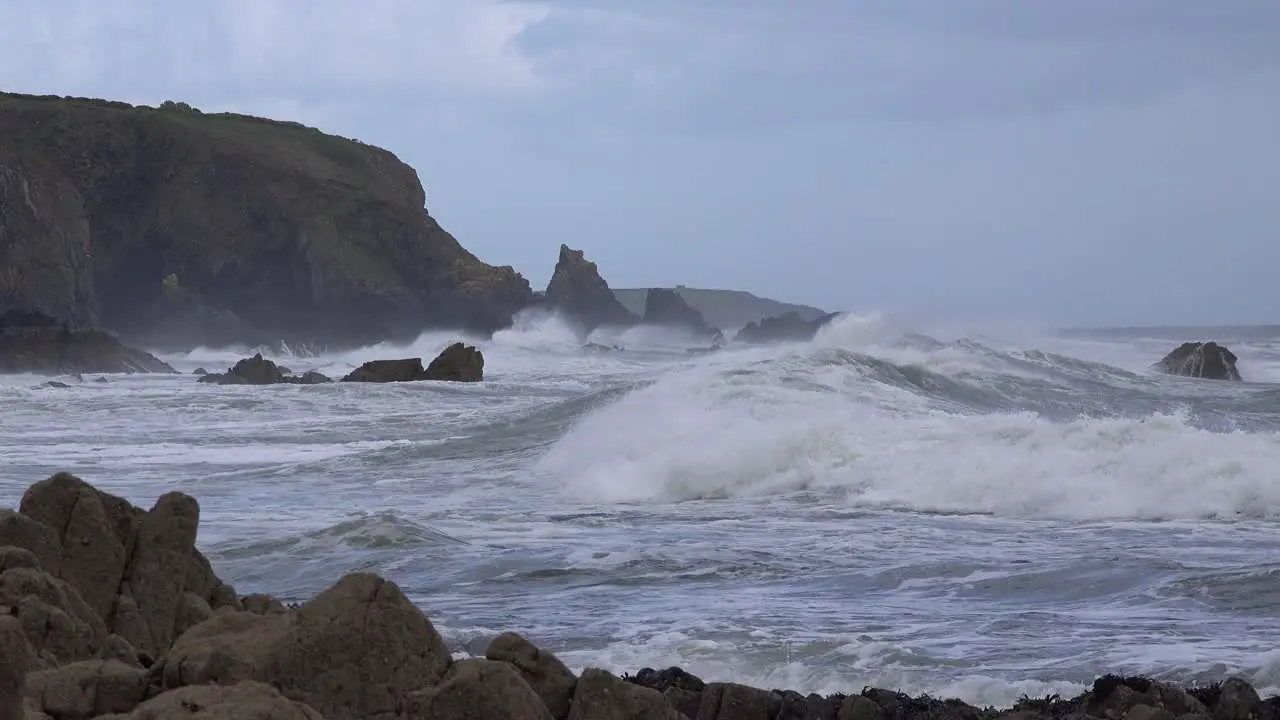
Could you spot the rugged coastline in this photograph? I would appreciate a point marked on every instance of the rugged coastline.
(173, 228)
(111, 611)
(168, 228)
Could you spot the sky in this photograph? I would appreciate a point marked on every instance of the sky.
(1083, 163)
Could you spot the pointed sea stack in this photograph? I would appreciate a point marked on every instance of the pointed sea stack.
(579, 293)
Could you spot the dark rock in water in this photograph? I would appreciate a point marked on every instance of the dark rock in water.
(788, 327)
(1207, 360)
(199, 371)
(385, 371)
(222, 379)
(57, 384)
(310, 377)
(101, 379)
(34, 342)
(583, 297)
(257, 370)
(456, 363)
(176, 228)
(666, 307)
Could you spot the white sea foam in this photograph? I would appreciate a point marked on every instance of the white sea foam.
(803, 423)
(872, 507)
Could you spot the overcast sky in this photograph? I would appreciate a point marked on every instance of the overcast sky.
(1080, 163)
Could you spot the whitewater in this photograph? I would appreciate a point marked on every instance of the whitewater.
(966, 514)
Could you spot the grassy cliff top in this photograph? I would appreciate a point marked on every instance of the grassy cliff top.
(726, 309)
(280, 144)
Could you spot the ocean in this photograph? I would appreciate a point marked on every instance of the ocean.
(977, 515)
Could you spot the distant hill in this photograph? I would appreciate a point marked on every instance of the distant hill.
(725, 309)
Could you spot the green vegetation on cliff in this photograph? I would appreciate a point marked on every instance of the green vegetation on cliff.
(265, 230)
(724, 309)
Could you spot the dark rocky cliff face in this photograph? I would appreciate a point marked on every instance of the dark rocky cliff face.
(175, 228)
(44, 245)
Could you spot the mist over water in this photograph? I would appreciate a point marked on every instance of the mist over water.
(979, 514)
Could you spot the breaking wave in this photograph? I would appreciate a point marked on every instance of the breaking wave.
(894, 420)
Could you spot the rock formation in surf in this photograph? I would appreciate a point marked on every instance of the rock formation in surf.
(578, 293)
(257, 370)
(108, 610)
(665, 307)
(788, 327)
(33, 342)
(456, 363)
(175, 228)
(1207, 360)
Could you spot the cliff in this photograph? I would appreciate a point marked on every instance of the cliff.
(726, 309)
(175, 228)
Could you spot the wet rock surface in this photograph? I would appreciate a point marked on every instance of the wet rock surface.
(260, 371)
(456, 363)
(108, 610)
(1207, 360)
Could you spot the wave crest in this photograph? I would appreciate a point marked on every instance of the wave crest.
(926, 426)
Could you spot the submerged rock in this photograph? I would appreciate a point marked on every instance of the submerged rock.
(456, 363)
(1207, 360)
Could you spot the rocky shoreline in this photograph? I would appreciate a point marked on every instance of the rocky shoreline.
(110, 611)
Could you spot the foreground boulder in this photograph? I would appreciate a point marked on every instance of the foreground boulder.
(544, 673)
(102, 576)
(357, 650)
(260, 371)
(578, 293)
(783, 328)
(1207, 360)
(456, 363)
(33, 342)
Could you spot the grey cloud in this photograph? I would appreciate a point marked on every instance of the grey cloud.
(731, 66)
